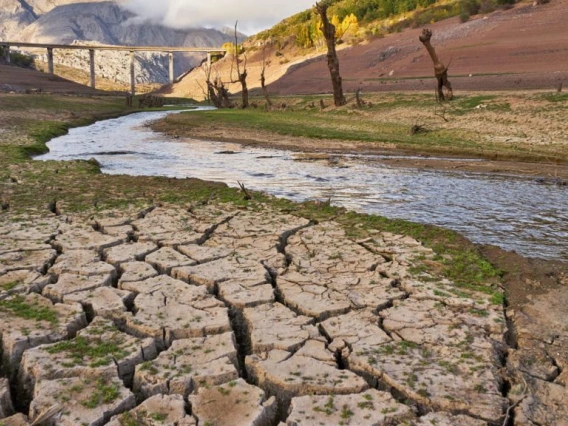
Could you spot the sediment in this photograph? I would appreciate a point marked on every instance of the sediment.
(224, 316)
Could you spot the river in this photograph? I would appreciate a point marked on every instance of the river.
(512, 212)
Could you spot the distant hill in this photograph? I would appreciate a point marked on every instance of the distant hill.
(521, 46)
(67, 21)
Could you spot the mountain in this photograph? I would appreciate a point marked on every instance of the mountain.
(106, 22)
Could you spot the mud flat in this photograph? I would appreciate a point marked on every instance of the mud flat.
(226, 316)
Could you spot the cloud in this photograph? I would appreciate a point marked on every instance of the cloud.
(253, 15)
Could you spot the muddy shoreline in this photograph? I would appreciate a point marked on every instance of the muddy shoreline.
(549, 173)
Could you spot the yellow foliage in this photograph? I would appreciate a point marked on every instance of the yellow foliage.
(350, 25)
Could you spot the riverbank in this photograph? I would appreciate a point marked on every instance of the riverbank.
(516, 132)
(185, 231)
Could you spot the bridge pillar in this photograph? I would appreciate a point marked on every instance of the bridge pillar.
(208, 60)
(50, 60)
(92, 66)
(7, 53)
(172, 77)
(132, 76)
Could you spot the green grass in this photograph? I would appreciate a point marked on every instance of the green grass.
(103, 393)
(368, 127)
(555, 97)
(18, 306)
(93, 350)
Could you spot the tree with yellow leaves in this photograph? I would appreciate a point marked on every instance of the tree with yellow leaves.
(350, 24)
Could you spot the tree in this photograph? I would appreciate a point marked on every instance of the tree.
(350, 24)
(242, 76)
(328, 30)
(262, 75)
(440, 71)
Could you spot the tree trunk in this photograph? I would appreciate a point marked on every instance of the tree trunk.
(328, 30)
(264, 89)
(440, 71)
(241, 76)
(245, 92)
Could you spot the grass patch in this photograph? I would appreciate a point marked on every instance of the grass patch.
(18, 306)
(103, 394)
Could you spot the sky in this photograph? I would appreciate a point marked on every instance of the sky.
(253, 15)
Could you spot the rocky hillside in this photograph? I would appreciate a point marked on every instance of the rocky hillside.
(68, 21)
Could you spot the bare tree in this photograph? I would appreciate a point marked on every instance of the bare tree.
(440, 71)
(216, 92)
(328, 30)
(263, 78)
(242, 76)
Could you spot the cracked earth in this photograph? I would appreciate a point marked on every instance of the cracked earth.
(212, 316)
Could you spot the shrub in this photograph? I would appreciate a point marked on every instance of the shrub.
(21, 60)
(464, 17)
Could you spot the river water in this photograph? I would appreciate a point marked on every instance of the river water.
(512, 212)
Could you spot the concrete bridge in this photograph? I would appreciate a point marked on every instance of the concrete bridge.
(92, 49)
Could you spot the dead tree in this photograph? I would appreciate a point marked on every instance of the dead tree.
(440, 71)
(360, 102)
(217, 93)
(242, 76)
(328, 30)
(263, 78)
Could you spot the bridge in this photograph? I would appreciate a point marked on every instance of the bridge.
(93, 48)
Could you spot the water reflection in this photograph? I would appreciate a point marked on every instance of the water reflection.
(512, 212)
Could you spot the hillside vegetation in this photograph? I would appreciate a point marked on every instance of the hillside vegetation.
(357, 20)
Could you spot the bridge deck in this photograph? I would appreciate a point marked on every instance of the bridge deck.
(115, 48)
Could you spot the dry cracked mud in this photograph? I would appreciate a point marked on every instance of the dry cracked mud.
(212, 316)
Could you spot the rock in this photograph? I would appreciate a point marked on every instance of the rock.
(204, 254)
(37, 260)
(16, 420)
(544, 405)
(442, 378)
(30, 321)
(212, 273)
(81, 262)
(358, 329)
(245, 294)
(169, 309)
(74, 283)
(233, 404)
(22, 282)
(156, 411)
(273, 326)
(107, 302)
(82, 239)
(135, 271)
(288, 376)
(447, 419)
(428, 321)
(112, 220)
(123, 231)
(311, 298)
(83, 401)
(369, 408)
(100, 350)
(326, 249)
(188, 365)
(167, 258)
(6, 407)
(129, 253)
(9, 245)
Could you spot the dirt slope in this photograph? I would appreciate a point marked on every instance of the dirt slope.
(18, 79)
(522, 48)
